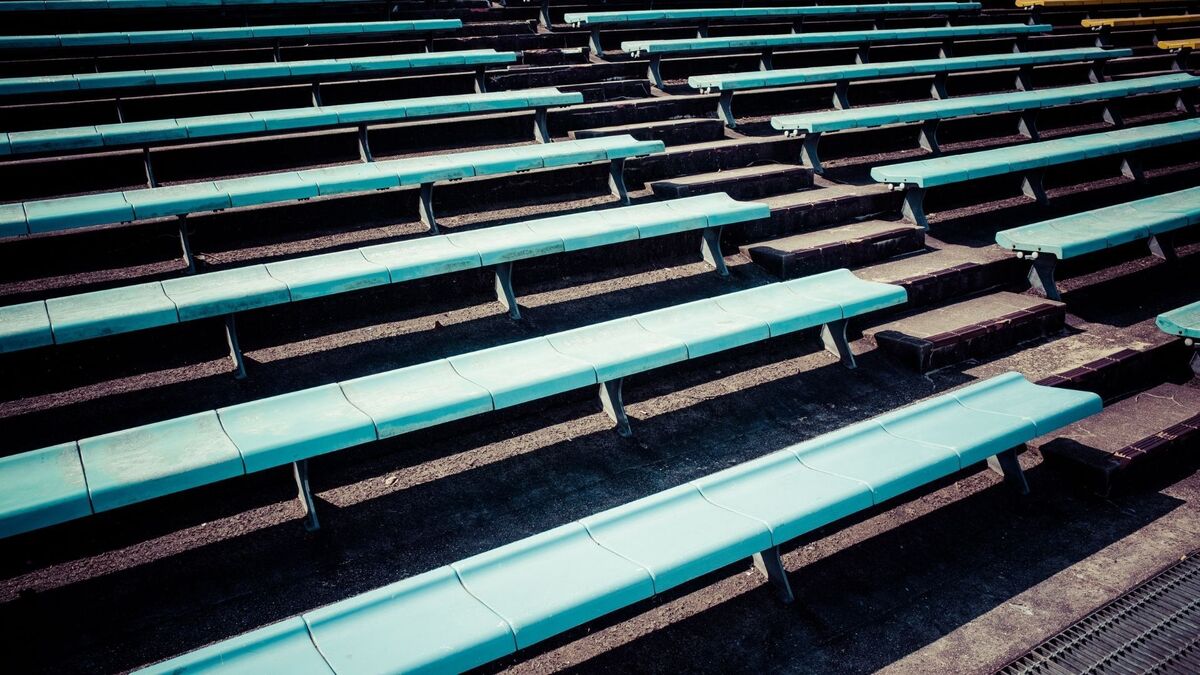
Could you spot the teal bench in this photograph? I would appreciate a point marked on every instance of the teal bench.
(465, 614)
(842, 76)
(1154, 219)
(78, 5)
(1028, 103)
(596, 21)
(766, 45)
(98, 474)
(109, 208)
(238, 33)
(1029, 161)
(315, 71)
(223, 294)
(1184, 321)
(150, 133)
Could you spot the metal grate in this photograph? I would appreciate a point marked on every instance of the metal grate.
(1155, 628)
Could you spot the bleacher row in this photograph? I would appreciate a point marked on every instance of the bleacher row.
(468, 613)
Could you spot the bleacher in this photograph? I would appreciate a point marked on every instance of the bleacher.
(944, 250)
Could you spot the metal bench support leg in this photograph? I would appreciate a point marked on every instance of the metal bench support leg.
(833, 334)
(841, 95)
(613, 405)
(1112, 115)
(541, 127)
(316, 94)
(1006, 464)
(364, 145)
(1041, 276)
(938, 89)
(480, 80)
(1162, 247)
(235, 349)
(766, 60)
(808, 152)
(594, 42)
(725, 109)
(1184, 104)
(185, 244)
(946, 50)
(1021, 44)
(913, 207)
(701, 30)
(1024, 81)
(616, 179)
(504, 290)
(151, 181)
(797, 26)
(863, 55)
(425, 207)
(654, 70)
(1095, 76)
(928, 137)
(1032, 186)
(770, 566)
(544, 13)
(1027, 125)
(300, 472)
(710, 249)
(1196, 360)
(1131, 168)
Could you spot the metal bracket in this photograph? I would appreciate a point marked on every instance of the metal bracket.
(654, 70)
(185, 244)
(316, 94)
(808, 152)
(1006, 464)
(833, 335)
(797, 26)
(1183, 103)
(913, 207)
(504, 290)
(1162, 248)
(862, 55)
(151, 181)
(544, 13)
(946, 49)
(541, 127)
(1131, 168)
(235, 350)
(770, 566)
(614, 405)
(1094, 74)
(841, 95)
(766, 60)
(616, 179)
(710, 249)
(300, 472)
(425, 207)
(1024, 79)
(364, 145)
(1032, 186)
(725, 109)
(927, 137)
(938, 89)
(594, 41)
(480, 80)
(1021, 44)
(702, 30)
(1112, 115)
(1195, 363)
(1041, 275)
(1027, 125)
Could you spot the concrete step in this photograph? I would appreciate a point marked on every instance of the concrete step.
(1111, 450)
(948, 272)
(751, 182)
(850, 245)
(973, 328)
(670, 132)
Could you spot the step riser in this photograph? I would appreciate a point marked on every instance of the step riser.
(815, 215)
(973, 341)
(688, 161)
(962, 280)
(854, 253)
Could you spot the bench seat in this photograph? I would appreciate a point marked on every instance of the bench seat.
(68, 213)
(244, 33)
(766, 45)
(310, 70)
(1139, 21)
(77, 5)
(1026, 159)
(155, 132)
(596, 21)
(165, 457)
(815, 123)
(1181, 44)
(1152, 219)
(1184, 321)
(843, 75)
(160, 303)
(476, 610)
